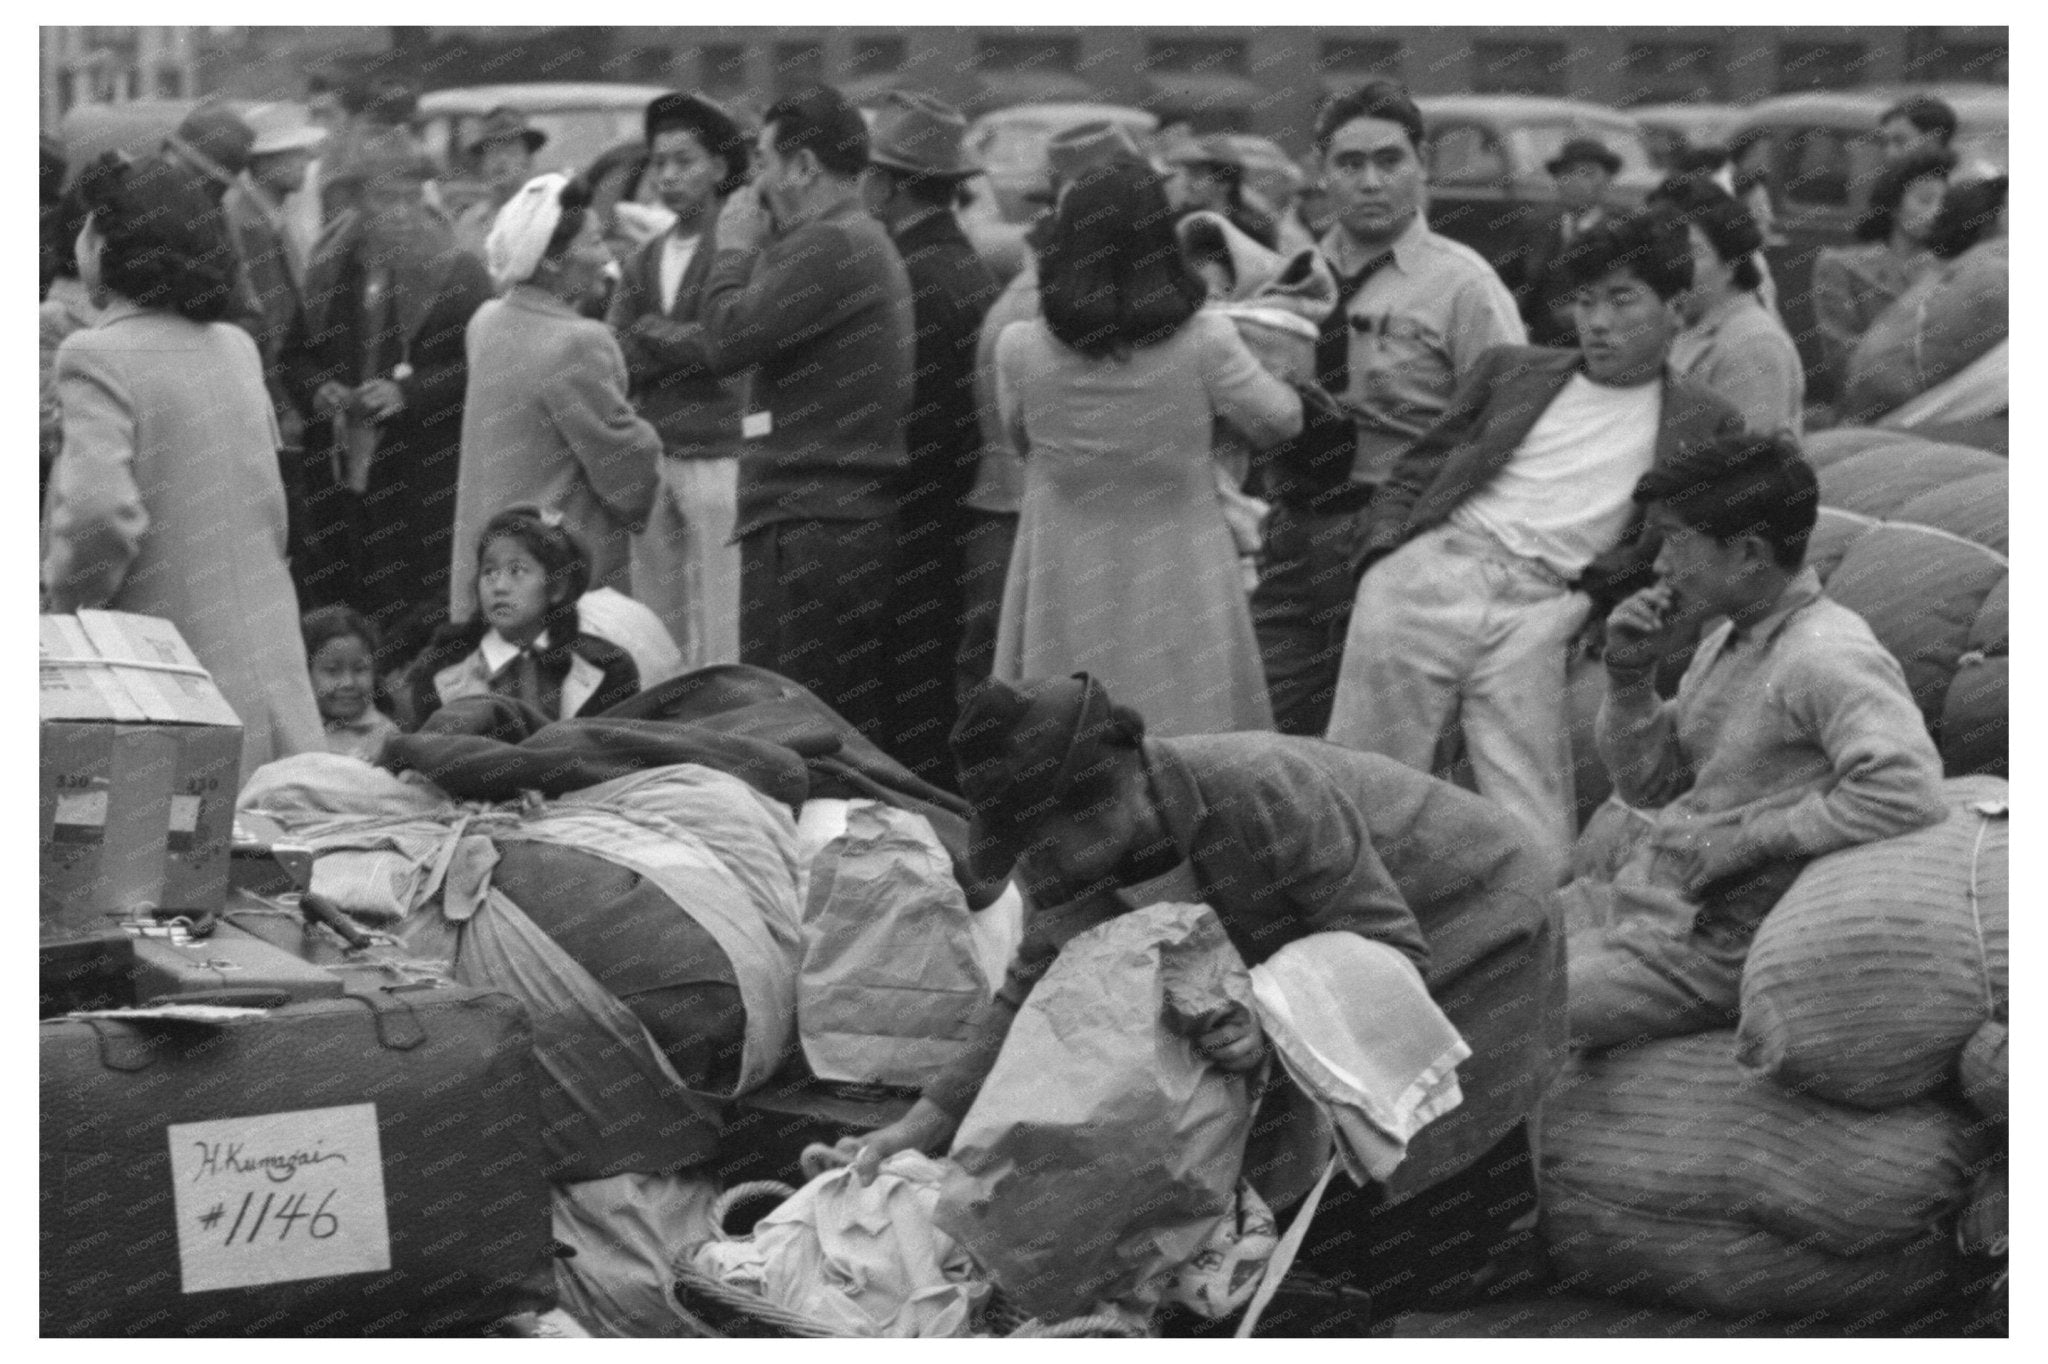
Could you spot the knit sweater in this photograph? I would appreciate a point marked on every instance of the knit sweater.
(822, 315)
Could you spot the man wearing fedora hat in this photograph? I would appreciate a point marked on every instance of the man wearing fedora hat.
(502, 150)
(1282, 838)
(213, 141)
(686, 567)
(1582, 169)
(916, 166)
(273, 261)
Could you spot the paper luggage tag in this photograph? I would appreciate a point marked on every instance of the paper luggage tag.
(279, 1196)
(755, 425)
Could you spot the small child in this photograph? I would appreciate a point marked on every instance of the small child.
(1276, 302)
(341, 652)
(524, 640)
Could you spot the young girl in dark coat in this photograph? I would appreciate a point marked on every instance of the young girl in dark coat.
(524, 640)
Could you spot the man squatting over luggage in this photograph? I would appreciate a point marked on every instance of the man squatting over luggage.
(1282, 838)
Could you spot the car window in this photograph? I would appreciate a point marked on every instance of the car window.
(1818, 167)
(1464, 154)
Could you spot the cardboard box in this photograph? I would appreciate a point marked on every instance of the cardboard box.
(141, 759)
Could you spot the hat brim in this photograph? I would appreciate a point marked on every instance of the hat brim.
(1609, 163)
(534, 139)
(302, 139)
(931, 172)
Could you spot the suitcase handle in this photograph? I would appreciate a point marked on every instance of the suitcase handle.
(320, 909)
(386, 1008)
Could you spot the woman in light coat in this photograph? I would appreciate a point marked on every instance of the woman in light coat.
(165, 498)
(547, 422)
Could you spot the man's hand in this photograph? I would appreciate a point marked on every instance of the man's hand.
(1702, 851)
(1640, 630)
(332, 397)
(743, 223)
(380, 398)
(926, 1127)
(1236, 1043)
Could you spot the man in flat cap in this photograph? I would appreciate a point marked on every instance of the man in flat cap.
(1282, 838)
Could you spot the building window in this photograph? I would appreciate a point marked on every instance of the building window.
(798, 64)
(722, 67)
(878, 56)
(1027, 52)
(1672, 72)
(1535, 67)
(1230, 55)
(1360, 57)
(1932, 57)
(1822, 66)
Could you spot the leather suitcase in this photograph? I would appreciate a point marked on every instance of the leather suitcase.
(369, 1165)
(227, 966)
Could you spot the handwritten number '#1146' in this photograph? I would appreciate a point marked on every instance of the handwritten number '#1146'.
(320, 1223)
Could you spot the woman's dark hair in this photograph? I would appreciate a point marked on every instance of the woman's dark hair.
(1738, 484)
(1724, 220)
(631, 157)
(563, 562)
(1927, 115)
(1888, 191)
(575, 199)
(821, 121)
(165, 239)
(1112, 276)
(1969, 209)
(1379, 98)
(317, 627)
(50, 187)
(1648, 243)
(66, 222)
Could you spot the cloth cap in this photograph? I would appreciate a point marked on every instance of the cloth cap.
(1023, 751)
(507, 125)
(215, 141)
(921, 136)
(1582, 151)
(714, 128)
(519, 234)
(281, 128)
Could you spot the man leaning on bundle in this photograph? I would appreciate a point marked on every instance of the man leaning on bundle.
(1509, 522)
(1792, 735)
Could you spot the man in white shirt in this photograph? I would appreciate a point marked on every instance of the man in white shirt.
(684, 565)
(1511, 520)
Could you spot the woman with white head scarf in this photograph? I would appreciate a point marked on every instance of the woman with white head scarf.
(547, 421)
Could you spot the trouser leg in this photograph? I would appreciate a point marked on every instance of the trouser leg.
(1407, 652)
(1300, 610)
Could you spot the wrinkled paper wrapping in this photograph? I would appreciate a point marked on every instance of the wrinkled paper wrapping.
(890, 980)
(1103, 1147)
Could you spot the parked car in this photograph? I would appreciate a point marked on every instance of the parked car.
(1819, 154)
(1009, 144)
(137, 127)
(1669, 129)
(1485, 156)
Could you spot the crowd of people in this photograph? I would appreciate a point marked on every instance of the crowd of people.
(1197, 470)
